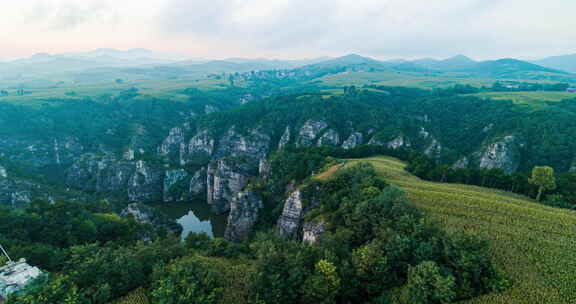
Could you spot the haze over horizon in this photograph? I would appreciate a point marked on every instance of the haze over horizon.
(481, 29)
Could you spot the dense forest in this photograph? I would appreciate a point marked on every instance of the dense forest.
(375, 245)
(376, 248)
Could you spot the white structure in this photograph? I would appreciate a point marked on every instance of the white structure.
(14, 277)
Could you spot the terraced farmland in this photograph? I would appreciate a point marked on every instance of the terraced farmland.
(534, 244)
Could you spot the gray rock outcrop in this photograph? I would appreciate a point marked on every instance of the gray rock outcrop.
(312, 231)
(309, 132)
(329, 138)
(244, 210)
(145, 184)
(175, 186)
(502, 154)
(226, 177)
(291, 218)
(198, 183)
(285, 139)
(138, 180)
(353, 141)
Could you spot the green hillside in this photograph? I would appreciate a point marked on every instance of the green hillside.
(534, 244)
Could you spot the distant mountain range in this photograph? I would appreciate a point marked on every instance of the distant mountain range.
(140, 64)
(457, 65)
(563, 62)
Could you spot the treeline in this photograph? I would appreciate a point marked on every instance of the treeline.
(308, 160)
(498, 86)
(563, 196)
(516, 86)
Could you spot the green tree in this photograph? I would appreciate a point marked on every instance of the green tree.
(543, 178)
(186, 281)
(426, 284)
(323, 286)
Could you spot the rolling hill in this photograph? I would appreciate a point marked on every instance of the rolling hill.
(532, 243)
(562, 62)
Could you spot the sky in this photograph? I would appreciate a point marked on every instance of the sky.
(385, 29)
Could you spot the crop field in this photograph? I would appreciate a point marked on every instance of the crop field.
(168, 89)
(136, 297)
(532, 243)
(401, 79)
(535, 98)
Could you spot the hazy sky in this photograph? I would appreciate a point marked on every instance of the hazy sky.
(292, 28)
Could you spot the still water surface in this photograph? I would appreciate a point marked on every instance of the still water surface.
(195, 216)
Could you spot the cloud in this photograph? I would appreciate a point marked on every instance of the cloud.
(62, 15)
(267, 24)
(376, 27)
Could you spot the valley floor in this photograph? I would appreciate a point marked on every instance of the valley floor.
(534, 244)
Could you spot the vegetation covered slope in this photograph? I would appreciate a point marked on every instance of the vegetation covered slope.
(533, 243)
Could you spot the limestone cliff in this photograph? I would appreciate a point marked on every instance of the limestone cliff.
(501, 154)
(244, 210)
(226, 177)
(147, 215)
(353, 141)
(176, 186)
(329, 138)
(292, 213)
(309, 132)
(312, 231)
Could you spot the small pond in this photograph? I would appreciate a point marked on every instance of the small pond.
(195, 216)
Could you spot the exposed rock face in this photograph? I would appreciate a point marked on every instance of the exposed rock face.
(353, 141)
(202, 144)
(375, 142)
(285, 139)
(423, 133)
(3, 172)
(141, 213)
(129, 154)
(434, 150)
(246, 98)
(208, 109)
(14, 193)
(173, 143)
(254, 146)
(488, 128)
(198, 183)
(147, 215)
(264, 168)
(244, 210)
(397, 143)
(329, 138)
(226, 177)
(503, 154)
(146, 183)
(462, 163)
(175, 185)
(105, 174)
(312, 231)
(310, 131)
(39, 154)
(290, 220)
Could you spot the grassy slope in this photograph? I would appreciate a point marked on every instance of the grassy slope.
(158, 88)
(534, 244)
(408, 79)
(534, 99)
